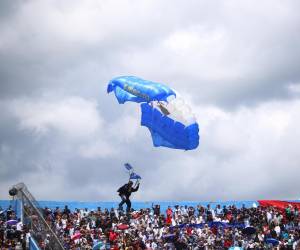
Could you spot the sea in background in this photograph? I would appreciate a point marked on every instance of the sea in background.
(135, 205)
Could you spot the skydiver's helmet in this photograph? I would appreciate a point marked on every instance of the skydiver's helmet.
(130, 183)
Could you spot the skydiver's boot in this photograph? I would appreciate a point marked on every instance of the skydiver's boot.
(128, 209)
(120, 208)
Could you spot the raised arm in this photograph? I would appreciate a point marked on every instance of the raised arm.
(136, 188)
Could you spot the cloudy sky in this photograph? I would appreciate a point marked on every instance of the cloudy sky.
(237, 63)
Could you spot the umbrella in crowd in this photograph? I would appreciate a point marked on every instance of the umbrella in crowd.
(249, 230)
(11, 222)
(169, 236)
(75, 236)
(272, 241)
(99, 245)
(123, 226)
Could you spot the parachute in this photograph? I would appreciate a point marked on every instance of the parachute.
(169, 119)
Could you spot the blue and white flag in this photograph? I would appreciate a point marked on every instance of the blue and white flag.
(128, 166)
(135, 176)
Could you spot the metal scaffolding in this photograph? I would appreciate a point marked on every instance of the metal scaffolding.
(32, 216)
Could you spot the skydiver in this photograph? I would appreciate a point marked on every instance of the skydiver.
(125, 192)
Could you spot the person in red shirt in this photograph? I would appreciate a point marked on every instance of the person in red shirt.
(169, 211)
(112, 236)
(227, 243)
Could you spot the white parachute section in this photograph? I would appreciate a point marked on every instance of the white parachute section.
(177, 109)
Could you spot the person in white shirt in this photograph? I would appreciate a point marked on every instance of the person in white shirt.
(19, 228)
(269, 216)
(277, 230)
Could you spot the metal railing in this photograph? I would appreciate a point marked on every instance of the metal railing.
(32, 217)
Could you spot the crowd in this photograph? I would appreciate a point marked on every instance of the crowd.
(179, 227)
(12, 231)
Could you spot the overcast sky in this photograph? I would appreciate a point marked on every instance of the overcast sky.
(237, 63)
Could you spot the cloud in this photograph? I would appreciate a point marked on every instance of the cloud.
(236, 63)
(243, 154)
(222, 54)
(74, 117)
(253, 146)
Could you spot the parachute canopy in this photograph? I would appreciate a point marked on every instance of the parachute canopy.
(131, 88)
(168, 118)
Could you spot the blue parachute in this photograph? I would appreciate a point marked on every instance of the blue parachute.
(169, 119)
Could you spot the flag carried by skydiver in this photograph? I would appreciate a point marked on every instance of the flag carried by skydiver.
(132, 174)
